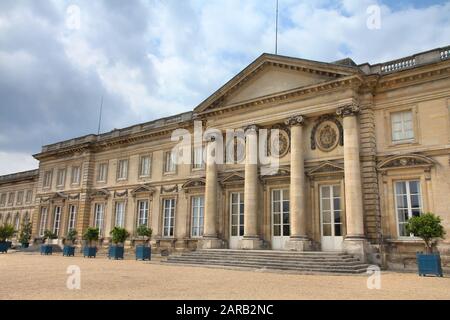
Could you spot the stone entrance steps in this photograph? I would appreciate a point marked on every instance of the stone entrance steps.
(276, 260)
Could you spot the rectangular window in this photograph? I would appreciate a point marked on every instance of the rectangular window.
(57, 220)
(11, 197)
(3, 199)
(60, 177)
(122, 169)
(280, 212)
(75, 176)
(47, 179)
(102, 172)
(402, 125)
(19, 199)
(29, 196)
(237, 214)
(99, 211)
(142, 213)
(198, 162)
(408, 202)
(169, 217)
(120, 214)
(198, 214)
(43, 221)
(144, 166)
(72, 218)
(169, 162)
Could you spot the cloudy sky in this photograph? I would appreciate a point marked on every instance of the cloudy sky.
(155, 58)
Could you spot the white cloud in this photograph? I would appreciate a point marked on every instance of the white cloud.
(11, 162)
(157, 58)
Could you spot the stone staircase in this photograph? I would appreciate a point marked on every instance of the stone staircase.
(305, 262)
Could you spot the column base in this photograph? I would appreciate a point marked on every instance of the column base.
(251, 243)
(210, 243)
(358, 247)
(299, 244)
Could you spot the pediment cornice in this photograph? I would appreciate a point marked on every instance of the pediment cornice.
(354, 81)
(329, 70)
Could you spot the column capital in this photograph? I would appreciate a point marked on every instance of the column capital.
(251, 127)
(297, 120)
(348, 110)
(210, 137)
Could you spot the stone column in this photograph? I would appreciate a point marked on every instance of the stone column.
(251, 239)
(355, 242)
(297, 199)
(210, 240)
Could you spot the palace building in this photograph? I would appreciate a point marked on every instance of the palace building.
(362, 148)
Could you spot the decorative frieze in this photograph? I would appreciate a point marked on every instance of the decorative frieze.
(169, 189)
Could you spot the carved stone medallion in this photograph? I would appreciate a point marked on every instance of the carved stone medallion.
(327, 136)
(278, 144)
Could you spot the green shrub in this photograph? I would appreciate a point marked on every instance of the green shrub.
(6, 232)
(119, 235)
(426, 226)
(25, 232)
(72, 235)
(91, 234)
(144, 231)
(48, 234)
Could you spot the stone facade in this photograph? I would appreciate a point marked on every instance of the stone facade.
(361, 148)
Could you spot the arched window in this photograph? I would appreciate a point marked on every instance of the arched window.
(26, 217)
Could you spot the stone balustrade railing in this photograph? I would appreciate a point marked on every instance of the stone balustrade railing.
(397, 65)
(445, 53)
(119, 132)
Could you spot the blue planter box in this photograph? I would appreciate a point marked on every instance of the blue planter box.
(143, 253)
(69, 251)
(115, 252)
(429, 264)
(9, 244)
(3, 247)
(46, 249)
(90, 252)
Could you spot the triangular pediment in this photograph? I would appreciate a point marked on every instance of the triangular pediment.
(234, 177)
(272, 80)
(325, 167)
(142, 189)
(270, 75)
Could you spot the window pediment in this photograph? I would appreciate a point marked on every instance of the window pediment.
(326, 168)
(142, 189)
(233, 178)
(406, 161)
(194, 184)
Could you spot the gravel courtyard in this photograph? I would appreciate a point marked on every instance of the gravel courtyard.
(31, 276)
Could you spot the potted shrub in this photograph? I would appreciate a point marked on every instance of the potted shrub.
(90, 235)
(428, 227)
(25, 234)
(6, 232)
(47, 248)
(143, 251)
(118, 237)
(69, 241)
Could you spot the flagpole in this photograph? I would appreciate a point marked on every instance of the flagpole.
(276, 30)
